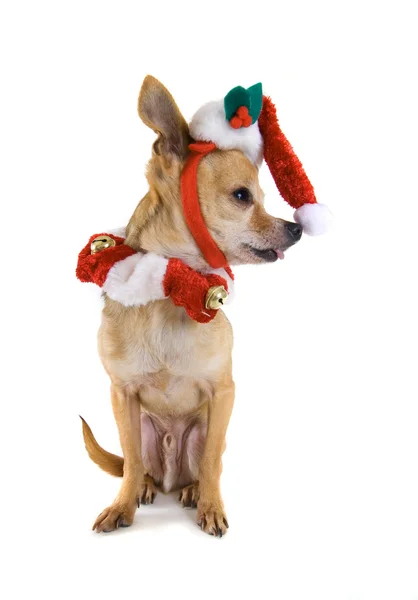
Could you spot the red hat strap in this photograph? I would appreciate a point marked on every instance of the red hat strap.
(191, 207)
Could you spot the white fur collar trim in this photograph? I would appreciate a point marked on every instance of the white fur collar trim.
(138, 279)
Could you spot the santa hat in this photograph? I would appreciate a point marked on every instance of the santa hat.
(246, 120)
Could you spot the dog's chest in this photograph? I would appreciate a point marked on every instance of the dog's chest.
(171, 373)
(178, 350)
(162, 392)
(171, 361)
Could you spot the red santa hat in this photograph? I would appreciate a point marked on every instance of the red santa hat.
(246, 120)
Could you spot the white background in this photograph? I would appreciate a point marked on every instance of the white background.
(321, 472)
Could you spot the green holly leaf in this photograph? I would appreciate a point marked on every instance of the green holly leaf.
(255, 93)
(234, 99)
(252, 98)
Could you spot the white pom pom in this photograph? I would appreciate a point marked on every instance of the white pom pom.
(314, 218)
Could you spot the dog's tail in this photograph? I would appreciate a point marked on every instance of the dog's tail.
(108, 462)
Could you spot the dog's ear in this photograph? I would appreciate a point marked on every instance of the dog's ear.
(158, 110)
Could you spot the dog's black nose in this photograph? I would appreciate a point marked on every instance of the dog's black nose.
(294, 230)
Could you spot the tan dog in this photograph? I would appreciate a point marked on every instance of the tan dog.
(171, 379)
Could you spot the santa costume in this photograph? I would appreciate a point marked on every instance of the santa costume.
(244, 120)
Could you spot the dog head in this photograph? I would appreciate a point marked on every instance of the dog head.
(230, 197)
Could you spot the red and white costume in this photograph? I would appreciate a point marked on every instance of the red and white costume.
(136, 278)
(244, 120)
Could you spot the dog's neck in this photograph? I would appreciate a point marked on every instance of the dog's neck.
(158, 226)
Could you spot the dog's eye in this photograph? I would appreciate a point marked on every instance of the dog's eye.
(243, 194)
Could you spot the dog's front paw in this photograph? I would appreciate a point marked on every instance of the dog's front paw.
(114, 516)
(212, 520)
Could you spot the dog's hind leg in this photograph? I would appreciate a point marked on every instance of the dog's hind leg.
(149, 491)
(189, 495)
(126, 408)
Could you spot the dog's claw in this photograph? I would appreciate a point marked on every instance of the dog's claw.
(189, 495)
(113, 517)
(212, 521)
(122, 523)
(149, 492)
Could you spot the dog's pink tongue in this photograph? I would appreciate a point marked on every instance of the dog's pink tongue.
(280, 253)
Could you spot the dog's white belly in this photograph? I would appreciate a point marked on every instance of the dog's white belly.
(173, 428)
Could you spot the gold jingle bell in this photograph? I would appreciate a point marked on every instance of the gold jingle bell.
(102, 242)
(216, 297)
